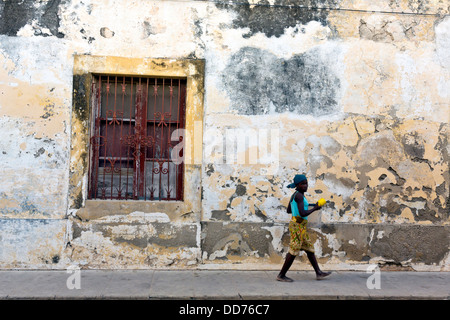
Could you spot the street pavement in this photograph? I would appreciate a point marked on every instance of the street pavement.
(220, 285)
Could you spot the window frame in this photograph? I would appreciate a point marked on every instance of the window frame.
(138, 109)
(85, 66)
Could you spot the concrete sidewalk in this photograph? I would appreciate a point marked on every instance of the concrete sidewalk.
(219, 284)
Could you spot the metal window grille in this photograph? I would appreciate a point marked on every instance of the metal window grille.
(131, 132)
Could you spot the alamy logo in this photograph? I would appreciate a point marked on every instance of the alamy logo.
(74, 280)
(230, 146)
(374, 281)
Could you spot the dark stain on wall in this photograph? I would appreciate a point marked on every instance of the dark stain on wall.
(81, 96)
(414, 243)
(222, 215)
(273, 19)
(398, 244)
(81, 109)
(414, 145)
(16, 14)
(260, 83)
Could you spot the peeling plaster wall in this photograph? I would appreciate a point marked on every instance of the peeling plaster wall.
(351, 93)
(359, 102)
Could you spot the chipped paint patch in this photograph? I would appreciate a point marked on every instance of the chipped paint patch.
(32, 242)
(127, 243)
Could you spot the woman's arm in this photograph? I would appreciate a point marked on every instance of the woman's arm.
(301, 210)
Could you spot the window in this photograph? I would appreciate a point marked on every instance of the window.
(133, 119)
(90, 78)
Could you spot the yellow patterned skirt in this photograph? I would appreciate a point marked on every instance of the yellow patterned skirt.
(299, 236)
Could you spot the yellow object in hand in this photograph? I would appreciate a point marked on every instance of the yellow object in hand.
(321, 202)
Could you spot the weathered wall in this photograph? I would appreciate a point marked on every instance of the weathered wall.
(354, 95)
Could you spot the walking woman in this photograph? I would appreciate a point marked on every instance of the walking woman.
(299, 208)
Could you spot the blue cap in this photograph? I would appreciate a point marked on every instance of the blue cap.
(297, 179)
